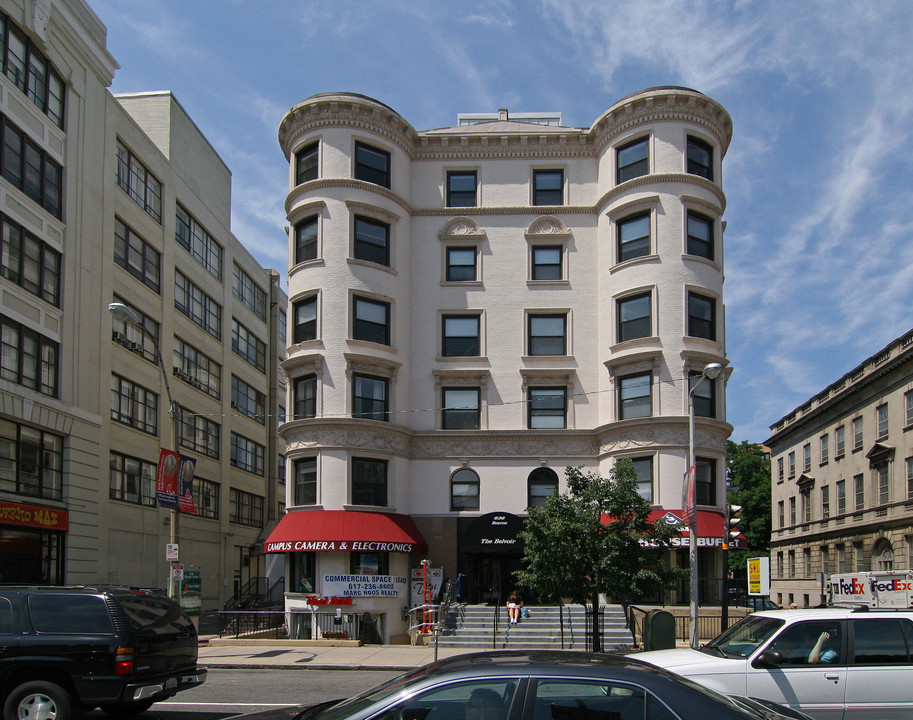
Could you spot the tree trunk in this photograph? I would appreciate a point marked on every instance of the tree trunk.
(597, 638)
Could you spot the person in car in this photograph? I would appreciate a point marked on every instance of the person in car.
(484, 704)
(821, 654)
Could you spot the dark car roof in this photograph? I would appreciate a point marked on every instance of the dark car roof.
(572, 663)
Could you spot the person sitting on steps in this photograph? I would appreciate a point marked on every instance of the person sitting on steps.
(514, 603)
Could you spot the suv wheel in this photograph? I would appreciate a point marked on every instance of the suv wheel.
(127, 709)
(40, 700)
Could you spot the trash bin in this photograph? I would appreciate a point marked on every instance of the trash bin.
(659, 630)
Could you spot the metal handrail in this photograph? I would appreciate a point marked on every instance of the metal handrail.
(496, 620)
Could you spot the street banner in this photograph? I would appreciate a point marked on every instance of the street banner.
(185, 484)
(166, 479)
(688, 496)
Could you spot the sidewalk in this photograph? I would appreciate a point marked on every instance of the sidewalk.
(284, 655)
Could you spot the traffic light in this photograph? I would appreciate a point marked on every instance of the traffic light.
(732, 518)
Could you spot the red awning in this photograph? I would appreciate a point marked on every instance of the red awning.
(345, 531)
(710, 531)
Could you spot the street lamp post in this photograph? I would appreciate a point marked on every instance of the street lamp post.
(710, 371)
(128, 314)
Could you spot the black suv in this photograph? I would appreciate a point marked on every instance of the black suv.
(68, 649)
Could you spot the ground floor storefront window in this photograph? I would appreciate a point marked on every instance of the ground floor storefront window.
(31, 556)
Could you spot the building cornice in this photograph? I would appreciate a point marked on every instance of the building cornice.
(306, 436)
(505, 140)
(882, 363)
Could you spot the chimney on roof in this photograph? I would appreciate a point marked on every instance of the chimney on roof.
(502, 114)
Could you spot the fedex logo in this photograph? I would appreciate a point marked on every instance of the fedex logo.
(851, 587)
(854, 587)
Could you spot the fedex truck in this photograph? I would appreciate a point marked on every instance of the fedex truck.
(880, 589)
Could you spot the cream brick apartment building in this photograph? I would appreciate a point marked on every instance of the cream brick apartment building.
(475, 308)
(842, 478)
(121, 199)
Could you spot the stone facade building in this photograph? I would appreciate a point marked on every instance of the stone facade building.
(475, 308)
(842, 478)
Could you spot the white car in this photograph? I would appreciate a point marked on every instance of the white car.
(832, 663)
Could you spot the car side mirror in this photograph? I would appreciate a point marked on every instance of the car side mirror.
(769, 658)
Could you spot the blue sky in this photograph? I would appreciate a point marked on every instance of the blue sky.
(819, 175)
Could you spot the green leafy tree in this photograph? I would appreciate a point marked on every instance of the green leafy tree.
(569, 552)
(749, 477)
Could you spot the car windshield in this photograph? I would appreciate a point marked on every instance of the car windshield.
(743, 638)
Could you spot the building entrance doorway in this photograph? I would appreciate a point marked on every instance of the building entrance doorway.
(489, 553)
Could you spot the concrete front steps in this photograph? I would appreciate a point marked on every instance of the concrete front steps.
(471, 626)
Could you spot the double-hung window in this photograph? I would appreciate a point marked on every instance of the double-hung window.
(839, 442)
(306, 481)
(369, 482)
(547, 262)
(635, 396)
(700, 235)
(825, 448)
(908, 408)
(461, 264)
(306, 240)
(461, 408)
(370, 397)
(643, 468)
(371, 321)
(372, 240)
(304, 318)
(304, 394)
(306, 163)
(547, 407)
(461, 188)
(461, 336)
(857, 434)
(634, 317)
(705, 482)
(548, 187)
(632, 160)
(881, 416)
(703, 395)
(547, 334)
(372, 165)
(700, 158)
(701, 316)
(634, 236)
(859, 492)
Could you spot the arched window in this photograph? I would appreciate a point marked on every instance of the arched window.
(883, 555)
(464, 490)
(540, 484)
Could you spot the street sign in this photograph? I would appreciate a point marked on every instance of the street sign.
(177, 572)
(171, 552)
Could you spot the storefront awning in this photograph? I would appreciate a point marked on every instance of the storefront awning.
(710, 530)
(345, 531)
